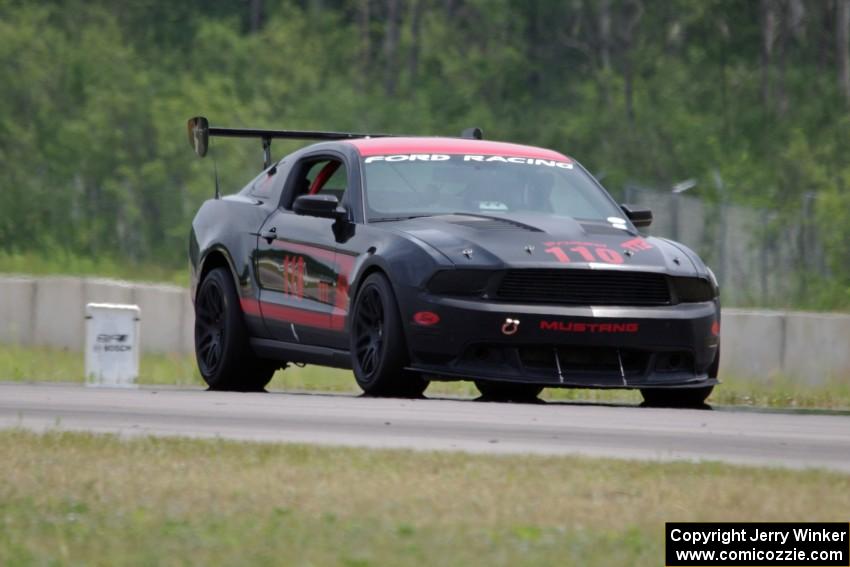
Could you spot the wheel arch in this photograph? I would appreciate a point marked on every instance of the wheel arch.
(377, 266)
(217, 257)
(373, 265)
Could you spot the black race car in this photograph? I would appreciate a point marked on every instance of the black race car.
(411, 259)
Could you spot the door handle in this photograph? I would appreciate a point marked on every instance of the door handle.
(269, 234)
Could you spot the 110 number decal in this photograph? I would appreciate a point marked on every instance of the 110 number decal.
(587, 253)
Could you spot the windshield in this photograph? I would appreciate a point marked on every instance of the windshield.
(431, 184)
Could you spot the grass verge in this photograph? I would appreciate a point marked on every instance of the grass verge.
(97, 500)
(60, 262)
(42, 364)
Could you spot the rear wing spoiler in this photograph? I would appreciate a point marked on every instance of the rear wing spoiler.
(199, 131)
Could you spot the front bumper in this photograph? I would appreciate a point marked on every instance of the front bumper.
(563, 346)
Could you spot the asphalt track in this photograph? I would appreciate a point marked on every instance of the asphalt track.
(786, 439)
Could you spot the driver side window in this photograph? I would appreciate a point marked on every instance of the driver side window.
(322, 176)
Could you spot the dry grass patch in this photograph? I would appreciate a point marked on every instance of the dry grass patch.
(97, 500)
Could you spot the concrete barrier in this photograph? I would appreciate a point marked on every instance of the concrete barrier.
(752, 343)
(49, 311)
(107, 291)
(59, 317)
(16, 310)
(187, 324)
(162, 322)
(817, 347)
(755, 344)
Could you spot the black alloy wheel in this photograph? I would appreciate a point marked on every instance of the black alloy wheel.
(209, 326)
(369, 330)
(378, 348)
(225, 358)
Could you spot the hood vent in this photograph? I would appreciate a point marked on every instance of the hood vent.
(603, 229)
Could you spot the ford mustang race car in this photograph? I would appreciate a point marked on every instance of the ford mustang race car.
(412, 259)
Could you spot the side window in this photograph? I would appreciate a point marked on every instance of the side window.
(322, 177)
(269, 182)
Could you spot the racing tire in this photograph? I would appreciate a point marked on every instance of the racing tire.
(714, 369)
(224, 357)
(676, 397)
(682, 397)
(508, 391)
(378, 348)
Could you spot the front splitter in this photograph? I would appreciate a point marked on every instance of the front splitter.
(609, 382)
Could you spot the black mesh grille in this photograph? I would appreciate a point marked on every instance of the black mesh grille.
(584, 287)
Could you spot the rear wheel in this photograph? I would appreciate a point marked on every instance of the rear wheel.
(378, 349)
(676, 397)
(224, 357)
(508, 391)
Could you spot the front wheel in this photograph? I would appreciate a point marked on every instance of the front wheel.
(507, 391)
(676, 397)
(224, 357)
(378, 349)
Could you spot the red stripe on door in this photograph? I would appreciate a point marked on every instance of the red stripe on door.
(294, 315)
(335, 320)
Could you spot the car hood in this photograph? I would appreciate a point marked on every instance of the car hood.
(530, 240)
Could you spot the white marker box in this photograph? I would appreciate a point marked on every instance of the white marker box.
(112, 345)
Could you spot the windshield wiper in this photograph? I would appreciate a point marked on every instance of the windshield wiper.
(499, 218)
(390, 219)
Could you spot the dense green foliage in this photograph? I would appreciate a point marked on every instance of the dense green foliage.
(95, 95)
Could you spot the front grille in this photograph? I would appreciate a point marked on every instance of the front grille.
(584, 287)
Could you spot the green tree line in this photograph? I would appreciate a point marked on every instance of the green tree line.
(94, 95)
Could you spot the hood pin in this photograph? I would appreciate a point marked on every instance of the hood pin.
(529, 248)
(468, 253)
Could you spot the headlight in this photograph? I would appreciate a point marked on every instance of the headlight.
(713, 281)
(459, 282)
(693, 290)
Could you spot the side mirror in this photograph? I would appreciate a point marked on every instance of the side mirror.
(641, 217)
(199, 134)
(324, 206)
(473, 133)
